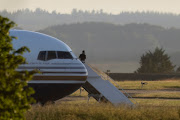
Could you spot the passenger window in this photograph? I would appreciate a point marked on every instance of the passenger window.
(64, 55)
(51, 55)
(42, 55)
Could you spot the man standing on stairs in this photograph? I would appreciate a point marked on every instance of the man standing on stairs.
(82, 56)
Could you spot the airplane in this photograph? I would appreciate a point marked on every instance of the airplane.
(61, 72)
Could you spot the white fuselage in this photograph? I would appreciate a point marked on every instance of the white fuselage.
(60, 69)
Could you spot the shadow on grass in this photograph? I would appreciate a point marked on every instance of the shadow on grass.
(171, 86)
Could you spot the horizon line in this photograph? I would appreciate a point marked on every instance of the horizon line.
(95, 10)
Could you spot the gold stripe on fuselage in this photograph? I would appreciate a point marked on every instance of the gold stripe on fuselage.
(79, 78)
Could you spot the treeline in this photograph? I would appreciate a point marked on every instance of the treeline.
(40, 19)
(106, 43)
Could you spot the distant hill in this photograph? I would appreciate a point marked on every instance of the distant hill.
(117, 47)
(40, 19)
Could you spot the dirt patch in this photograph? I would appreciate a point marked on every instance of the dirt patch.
(151, 91)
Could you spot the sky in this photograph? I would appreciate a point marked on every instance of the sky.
(109, 6)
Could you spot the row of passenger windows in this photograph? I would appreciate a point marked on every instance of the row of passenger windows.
(49, 55)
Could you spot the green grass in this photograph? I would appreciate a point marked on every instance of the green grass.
(152, 85)
(101, 112)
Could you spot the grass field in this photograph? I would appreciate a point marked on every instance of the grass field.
(167, 93)
(150, 94)
(151, 85)
(158, 100)
(101, 112)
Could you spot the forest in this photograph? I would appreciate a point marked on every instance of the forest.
(40, 19)
(107, 43)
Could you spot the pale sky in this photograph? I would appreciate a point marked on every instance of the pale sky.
(110, 6)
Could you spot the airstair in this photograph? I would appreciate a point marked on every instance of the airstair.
(103, 90)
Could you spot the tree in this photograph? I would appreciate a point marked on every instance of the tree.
(178, 70)
(15, 95)
(155, 62)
